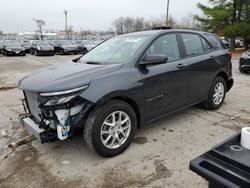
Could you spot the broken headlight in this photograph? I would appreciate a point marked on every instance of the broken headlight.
(62, 97)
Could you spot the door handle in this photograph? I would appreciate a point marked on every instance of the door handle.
(181, 66)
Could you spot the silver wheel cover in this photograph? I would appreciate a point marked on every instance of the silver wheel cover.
(115, 130)
(218, 93)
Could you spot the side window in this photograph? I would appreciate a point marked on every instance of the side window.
(165, 45)
(193, 45)
(206, 46)
(216, 41)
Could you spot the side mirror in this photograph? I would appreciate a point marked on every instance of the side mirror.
(154, 59)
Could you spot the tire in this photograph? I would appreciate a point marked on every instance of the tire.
(243, 71)
(211, 103)
(85, 51)
(95, 124)
(61, 52)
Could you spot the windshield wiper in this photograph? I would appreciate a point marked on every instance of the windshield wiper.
(93, 63)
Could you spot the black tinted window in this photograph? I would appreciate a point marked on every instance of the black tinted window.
(193, 45)
(206, 46)
(216, 41)
(165, 45)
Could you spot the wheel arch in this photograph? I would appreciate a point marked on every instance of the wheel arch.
(225, 77)
(127, 100)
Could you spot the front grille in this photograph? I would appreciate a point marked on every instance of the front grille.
(32, 100)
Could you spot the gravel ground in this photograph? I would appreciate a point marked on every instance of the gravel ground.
(158, 157)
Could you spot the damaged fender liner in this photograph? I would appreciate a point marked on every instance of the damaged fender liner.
(43, 131)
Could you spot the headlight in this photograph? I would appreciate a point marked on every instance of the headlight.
(52, 48)
(58, 101)
(9, 50)
(61, 97)
(38, 47)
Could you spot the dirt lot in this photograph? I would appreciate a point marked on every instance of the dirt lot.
(159, 156)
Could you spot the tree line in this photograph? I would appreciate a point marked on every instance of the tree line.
(124, 25)
(228, 18)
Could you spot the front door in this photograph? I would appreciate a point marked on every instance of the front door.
(164, 85)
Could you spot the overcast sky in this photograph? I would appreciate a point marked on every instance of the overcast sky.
(16, 15)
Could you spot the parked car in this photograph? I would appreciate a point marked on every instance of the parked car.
(244, 64)
(226, 42)
(65, 47)
(125, 83)
(80, 47)
(13, 47)
(97, 42)
(1, 46)
(41, 47)
(55, 45)
(27, 45)
(88, 44)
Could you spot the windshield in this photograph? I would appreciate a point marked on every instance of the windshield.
(26, 44)
(87, 42)
(42, 43)
(12, 44)
(65, 42)
(115, 50)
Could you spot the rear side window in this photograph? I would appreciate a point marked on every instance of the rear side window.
(165, 45)
(193, 44)
(215, 40)
(206, 46)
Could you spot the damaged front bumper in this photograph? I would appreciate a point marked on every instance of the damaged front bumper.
(50, 123)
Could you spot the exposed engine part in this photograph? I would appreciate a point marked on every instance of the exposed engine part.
(63, 128)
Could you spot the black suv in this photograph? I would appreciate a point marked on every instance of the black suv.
(124, 83)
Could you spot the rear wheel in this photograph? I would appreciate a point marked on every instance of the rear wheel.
(110, 128)
(217, 94)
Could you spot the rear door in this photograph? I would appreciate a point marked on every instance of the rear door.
(200, 57)
(164, 85)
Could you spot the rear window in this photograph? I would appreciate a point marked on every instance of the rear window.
(215, 40)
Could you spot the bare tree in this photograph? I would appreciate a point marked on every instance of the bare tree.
(189, 22)
(119, 25)
(83, 33)
(40, 23)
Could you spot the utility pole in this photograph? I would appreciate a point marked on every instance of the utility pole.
(167, 15)
(65, 12)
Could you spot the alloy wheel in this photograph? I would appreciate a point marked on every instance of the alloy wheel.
(115, 130)
(219, 92)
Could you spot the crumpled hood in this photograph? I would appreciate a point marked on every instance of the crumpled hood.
(64, 76)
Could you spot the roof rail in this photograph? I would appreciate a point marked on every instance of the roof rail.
(162, 28)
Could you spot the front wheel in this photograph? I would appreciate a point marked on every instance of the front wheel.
(84, 51)
(110, 128)
(217, 94)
